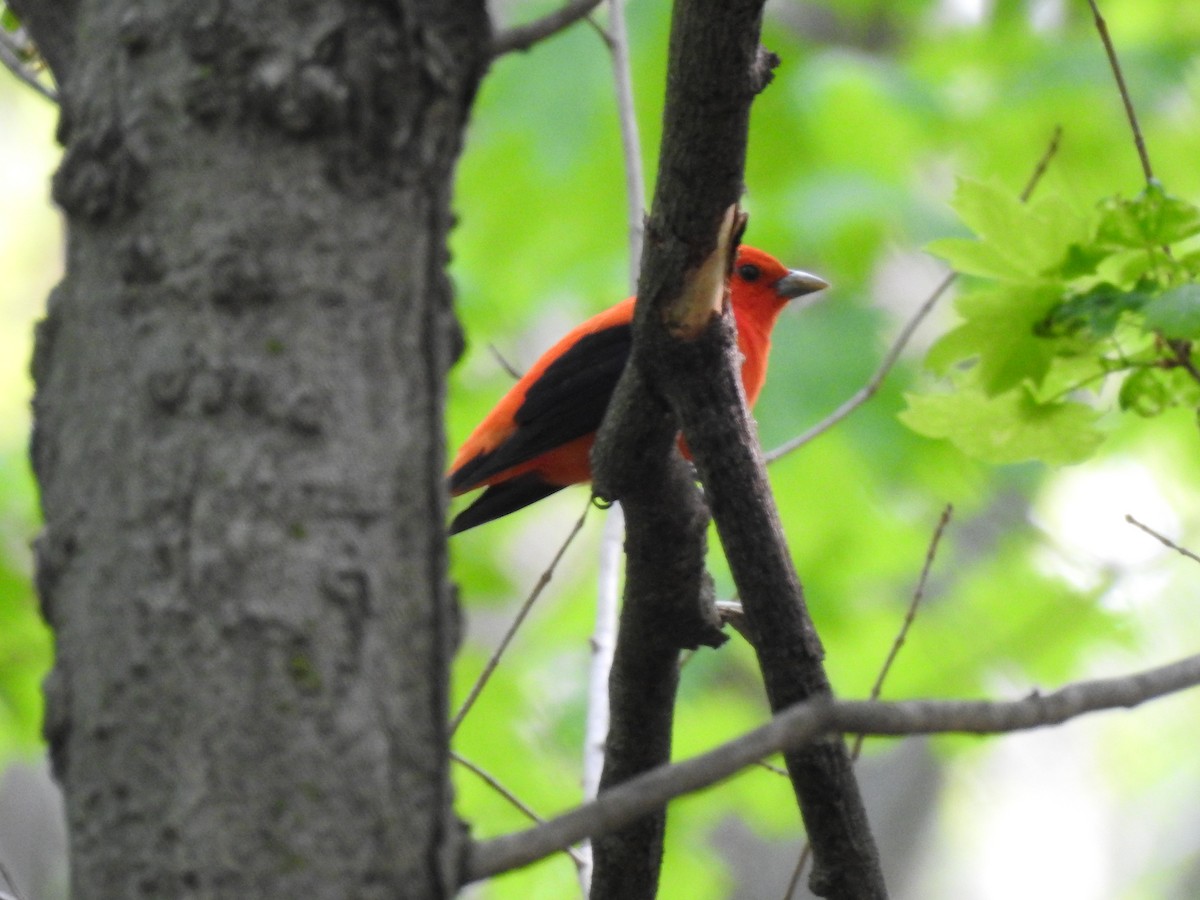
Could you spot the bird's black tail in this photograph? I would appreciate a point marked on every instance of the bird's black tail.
(503, 498)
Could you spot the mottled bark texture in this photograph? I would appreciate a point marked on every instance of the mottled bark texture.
(668, 606)
(715, 69)
(238, 440)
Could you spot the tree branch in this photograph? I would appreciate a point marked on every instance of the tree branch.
(808, 723)
(522, 37)
(667, 606)
(1138, 141)
(1166, 542)
(684, 352)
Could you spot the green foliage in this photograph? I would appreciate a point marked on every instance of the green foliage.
(1006, 428)
(875, 112)
(854, 148)
(1063, 301)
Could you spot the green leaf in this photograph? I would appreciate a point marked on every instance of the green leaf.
(1151, 392)
(1145, 392)
(1095, 313)
(8, 20)
(1082, 259)
(1019, 240)
(971, 257)
(1007, 428)
(1153, 218)
(998, 331)
(1176, 313)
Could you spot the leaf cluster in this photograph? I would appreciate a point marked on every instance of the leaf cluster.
(1068, 311)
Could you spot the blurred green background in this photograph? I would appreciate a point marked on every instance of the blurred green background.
(877, 108)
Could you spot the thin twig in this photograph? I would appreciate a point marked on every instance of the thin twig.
(9, 882)
(10, 58)
(603, 644)
(1138, 140)
(806, 722)
(494, 783)
(911, 615)
(771, 767)
(877, 688)
(1042, 164)
(1162, 539)
(522, 37)
(544, 580)
(798, 872)
(604, 637)
(631, 146)
(867, 391)
(504, 363)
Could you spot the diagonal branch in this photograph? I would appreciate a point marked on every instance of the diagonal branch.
(522, 37)
(1165, 541)
(809, 722)
(515, 625)
(683, 363)
(1130, 113)
(871, 388)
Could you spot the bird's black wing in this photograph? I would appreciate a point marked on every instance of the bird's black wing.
(565, 403)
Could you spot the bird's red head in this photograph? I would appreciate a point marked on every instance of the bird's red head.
(761, 286)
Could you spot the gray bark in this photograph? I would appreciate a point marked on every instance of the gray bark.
(238, 440)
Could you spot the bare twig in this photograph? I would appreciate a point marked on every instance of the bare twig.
(798, 872)
(603, 643)
(771, 767)
(603, 639)
(544, 580)
(10, 58)
(9, 882)
(911, 615)
(522, 37)
(1138, 140)
(807, 722)
(495, 784)
(1162, 539)
(877, 688)
(631, 145)
(504, 363)
(1042, 164)
(867, 391)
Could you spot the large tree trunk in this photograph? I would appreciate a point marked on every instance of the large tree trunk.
(238, 439)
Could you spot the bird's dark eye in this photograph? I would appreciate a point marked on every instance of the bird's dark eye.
(748, 272)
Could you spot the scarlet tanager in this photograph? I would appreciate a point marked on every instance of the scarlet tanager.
(536, 440)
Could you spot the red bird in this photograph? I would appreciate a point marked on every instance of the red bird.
(536, 440)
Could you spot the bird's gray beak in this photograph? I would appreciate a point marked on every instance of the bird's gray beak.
(797, 283)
